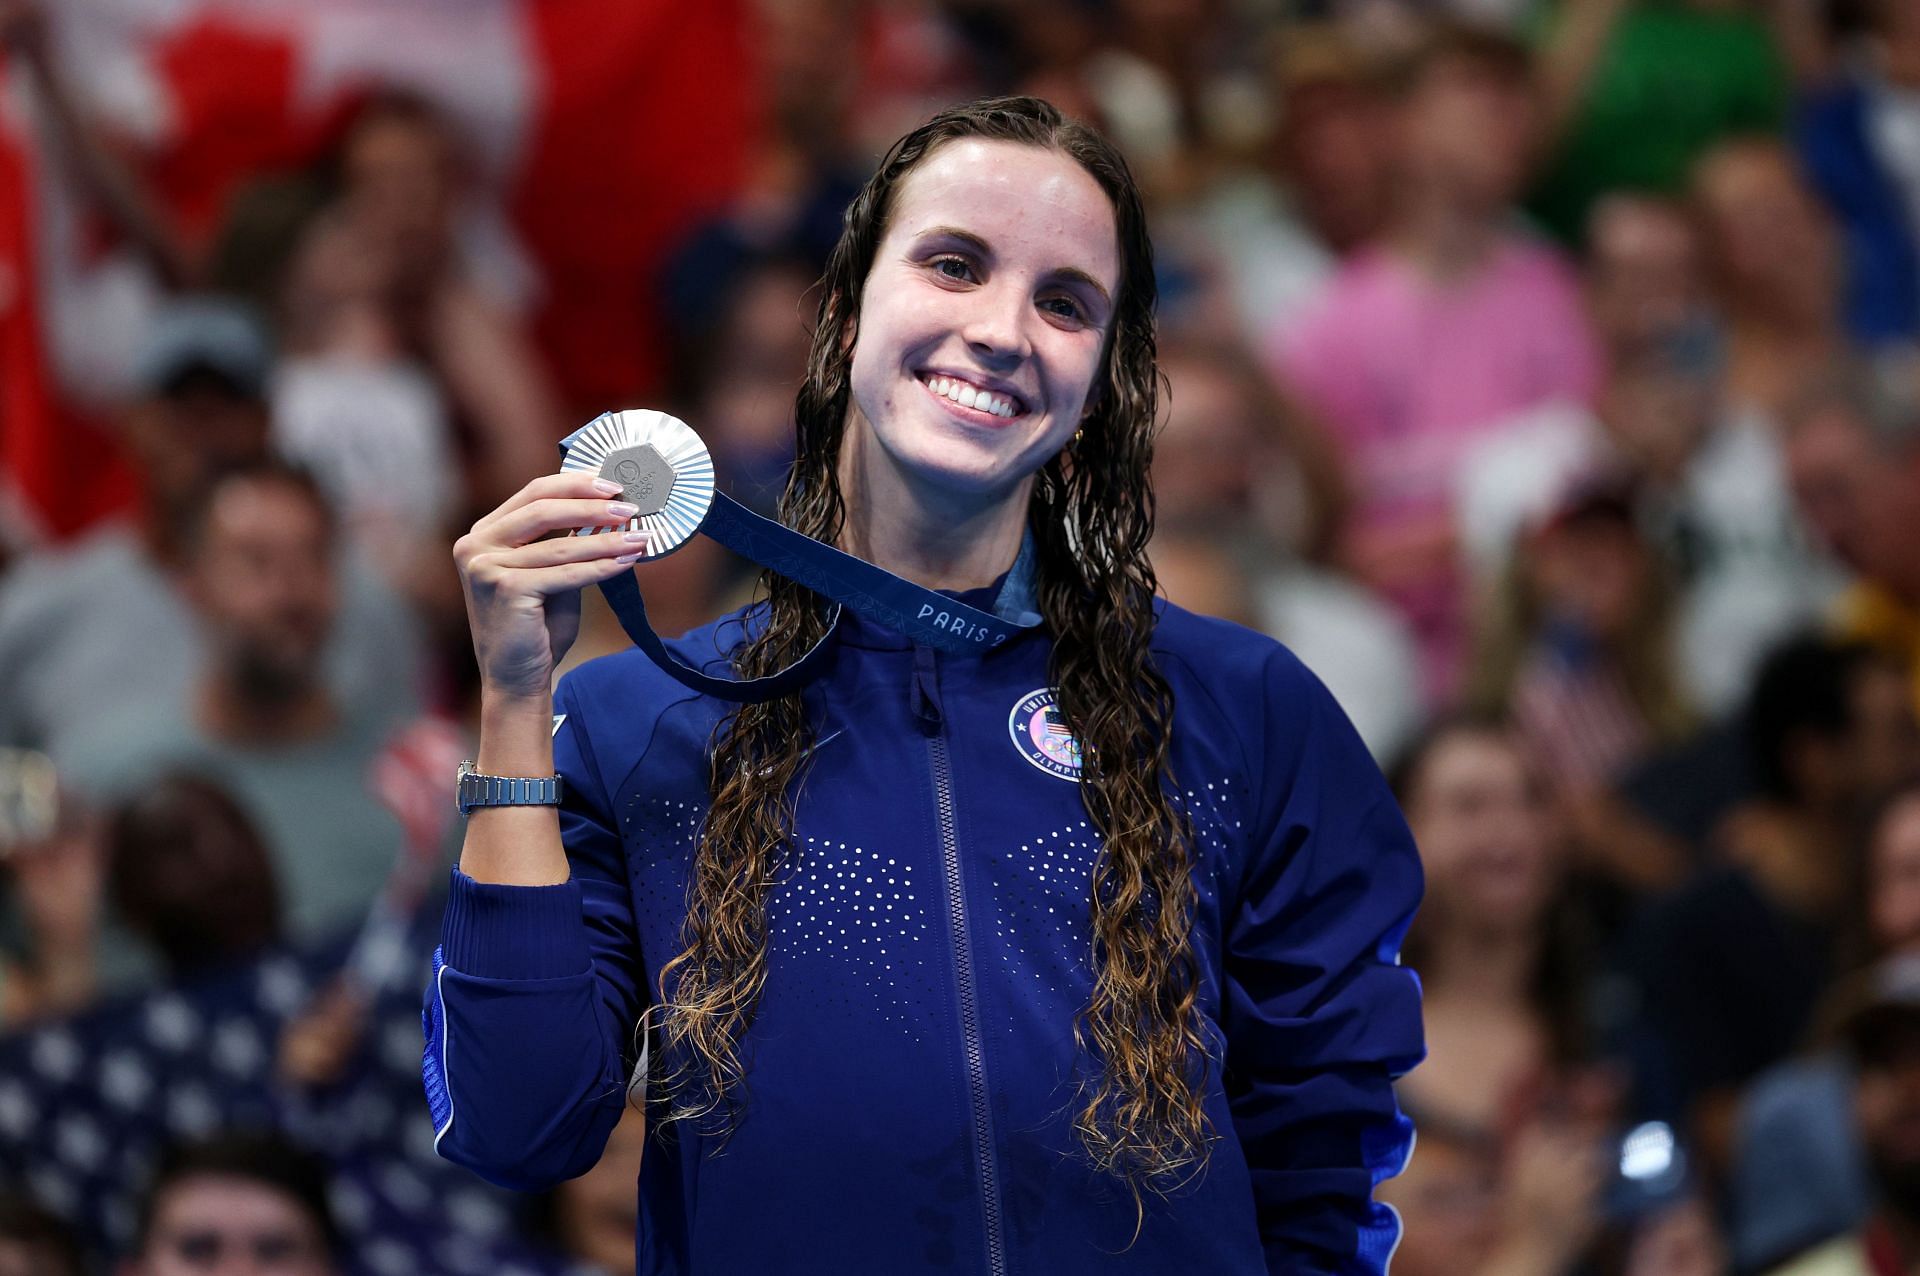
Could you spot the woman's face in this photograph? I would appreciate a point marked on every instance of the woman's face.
(1204, 469)
(996, 276)
(1482, 830)
(1590, 571)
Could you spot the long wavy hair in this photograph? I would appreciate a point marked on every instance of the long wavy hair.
(1139, 1110)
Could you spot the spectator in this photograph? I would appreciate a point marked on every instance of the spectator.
(1830, 728)
(1469, 1205)
(1279, 237)
(1775, 266)
(1711, 496)
(1579, 645)
(1637, 90)
(1576, 646)
(1502, 955)
(1857, 133)
(1456, 320)
(239, 1202)
(34, 1242)
(1853, 453)
(188, 873)
(590, 1219)
(388, 281)
(73, 621)
(744, 356)
(1799, 1173)
(1646, 298)
(1527, 1124)
(261, 719)
(53, 875)
(1880, 1032)
(1247, 499)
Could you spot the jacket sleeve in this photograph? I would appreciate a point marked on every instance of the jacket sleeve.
(532, 1012)
(1320, 1018)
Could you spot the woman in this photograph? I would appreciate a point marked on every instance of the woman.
(1520, 1130)
(1499, 948)
(1076, 953)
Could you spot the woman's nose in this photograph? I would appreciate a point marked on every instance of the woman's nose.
(996, 326)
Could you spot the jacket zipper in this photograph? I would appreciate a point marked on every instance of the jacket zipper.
(926, 707)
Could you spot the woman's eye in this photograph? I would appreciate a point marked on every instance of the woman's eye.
(1064, 307)
(953, 267)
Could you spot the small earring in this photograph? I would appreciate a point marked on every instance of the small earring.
(1075, 440)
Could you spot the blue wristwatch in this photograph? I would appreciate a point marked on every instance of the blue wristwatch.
(473, 789)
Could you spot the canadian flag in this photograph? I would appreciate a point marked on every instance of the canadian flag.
(604, 129)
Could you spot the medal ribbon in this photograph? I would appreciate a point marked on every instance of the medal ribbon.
(922, 615)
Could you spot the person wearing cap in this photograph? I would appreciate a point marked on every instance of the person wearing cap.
(93, 631)
(101, 633)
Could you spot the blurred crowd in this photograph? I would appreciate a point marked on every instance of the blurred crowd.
(1546, 373)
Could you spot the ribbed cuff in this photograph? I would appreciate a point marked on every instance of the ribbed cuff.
(514, 932)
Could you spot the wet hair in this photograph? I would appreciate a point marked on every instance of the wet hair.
(259, 1157)
(1139, 1112)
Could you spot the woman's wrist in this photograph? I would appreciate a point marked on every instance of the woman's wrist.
(516, 733)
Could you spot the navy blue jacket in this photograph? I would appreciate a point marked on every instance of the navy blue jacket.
(912, 1064)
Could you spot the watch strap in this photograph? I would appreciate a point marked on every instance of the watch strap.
(474, 790)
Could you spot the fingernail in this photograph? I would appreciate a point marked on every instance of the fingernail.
(636, 538)
(627, 558)
(622, 509)
(607, 487)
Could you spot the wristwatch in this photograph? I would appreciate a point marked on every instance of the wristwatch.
(472, 789)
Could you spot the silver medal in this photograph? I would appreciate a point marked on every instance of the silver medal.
(661, 466)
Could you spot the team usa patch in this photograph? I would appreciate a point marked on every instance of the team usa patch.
(1042, 736)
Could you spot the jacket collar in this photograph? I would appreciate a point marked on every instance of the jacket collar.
(1013, 595)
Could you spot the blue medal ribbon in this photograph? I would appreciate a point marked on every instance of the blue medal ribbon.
(660, 461)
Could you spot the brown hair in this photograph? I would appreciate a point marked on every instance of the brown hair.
(1456, 42)
(1139, 1114)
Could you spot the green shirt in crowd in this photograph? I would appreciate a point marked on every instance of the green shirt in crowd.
(1673, 79)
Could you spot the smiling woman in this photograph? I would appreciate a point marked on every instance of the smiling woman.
(1077, 953)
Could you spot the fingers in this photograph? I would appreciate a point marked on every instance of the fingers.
(554, 514)
(493, 575)
(572, 485)
(573, 549)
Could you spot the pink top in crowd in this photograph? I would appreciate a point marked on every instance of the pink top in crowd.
(1407, 373)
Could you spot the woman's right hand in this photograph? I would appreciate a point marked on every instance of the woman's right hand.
(523, 592)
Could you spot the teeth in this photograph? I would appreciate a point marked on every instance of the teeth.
(970, 397)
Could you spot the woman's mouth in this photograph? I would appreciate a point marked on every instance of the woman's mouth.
(973, 401)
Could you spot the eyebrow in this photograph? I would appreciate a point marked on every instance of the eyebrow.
(981, 246)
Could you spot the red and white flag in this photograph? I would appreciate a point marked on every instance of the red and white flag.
(603, 128)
